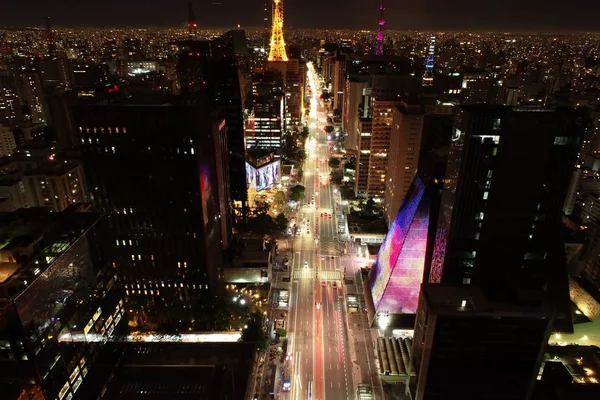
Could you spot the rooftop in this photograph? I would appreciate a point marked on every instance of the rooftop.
(54, 169)
(173, 371)
(450, 299)
(31, 239)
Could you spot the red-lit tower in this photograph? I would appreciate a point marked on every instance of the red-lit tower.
(192, 24)
(50, 38)
(379, 48)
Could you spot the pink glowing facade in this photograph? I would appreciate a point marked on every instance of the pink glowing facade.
(396, 277)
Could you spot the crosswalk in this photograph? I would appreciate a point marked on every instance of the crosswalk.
(309, 273)
(327, 246)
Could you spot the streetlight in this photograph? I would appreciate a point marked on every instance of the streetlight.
(383, 320)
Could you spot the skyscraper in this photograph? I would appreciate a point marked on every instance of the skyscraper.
(56, 283)
(507, 177)
(159, 169)
(215, 70)
(405, 144)
(466, 346)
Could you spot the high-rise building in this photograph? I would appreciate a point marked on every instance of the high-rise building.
(29, 89)
(338, 85)
(500, 220)
(266, 122)
(466, 346)
(10, 103)
(217, 70)
(355, 95)
(405, 144)
(55, 72)
(365, 127)
(477, 89)
(55, 185)
(396, 276)
(159, 168)
(380, 147)
(56, 283)
(8, 144)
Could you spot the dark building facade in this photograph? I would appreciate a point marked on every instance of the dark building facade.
(470, 348)
(215, 69)
(59, 301)
(506, 180)
(160, 172)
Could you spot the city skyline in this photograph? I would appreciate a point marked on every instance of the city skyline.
(335, 14)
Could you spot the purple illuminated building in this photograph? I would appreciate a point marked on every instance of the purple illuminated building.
(395, 278)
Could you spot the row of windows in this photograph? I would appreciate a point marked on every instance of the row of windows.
(101, 129)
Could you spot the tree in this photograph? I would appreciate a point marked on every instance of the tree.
(304, 132)
(299, 174)
(370, 206)
(297, 193)
(254, 332)
(281, 222)
(334, 162)
(325, 96)
(260, 224)
(280, 332)
(336, 177)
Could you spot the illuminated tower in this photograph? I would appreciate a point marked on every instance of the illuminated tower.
(50, 38)
(277, 50)
(379, 48)
(429, 62)
(192, 24)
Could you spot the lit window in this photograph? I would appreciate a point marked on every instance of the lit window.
(485, 195)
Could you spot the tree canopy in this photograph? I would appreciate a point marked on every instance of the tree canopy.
(334, 162)
(297, 193)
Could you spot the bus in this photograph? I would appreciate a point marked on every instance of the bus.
(309, 391)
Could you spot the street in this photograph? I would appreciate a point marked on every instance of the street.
(325, 364)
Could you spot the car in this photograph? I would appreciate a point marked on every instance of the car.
(329, 216)
(323, 283)
(334, 285)
(305, 264)
(322, 258)
(322, 214)
(288, 357)
(332, 258)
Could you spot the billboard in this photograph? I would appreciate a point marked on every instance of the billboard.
(264, 177)
(396, 276)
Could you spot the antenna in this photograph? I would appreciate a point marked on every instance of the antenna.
(192, 24)
(379, 48)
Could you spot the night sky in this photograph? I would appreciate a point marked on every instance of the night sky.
(401, 14)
